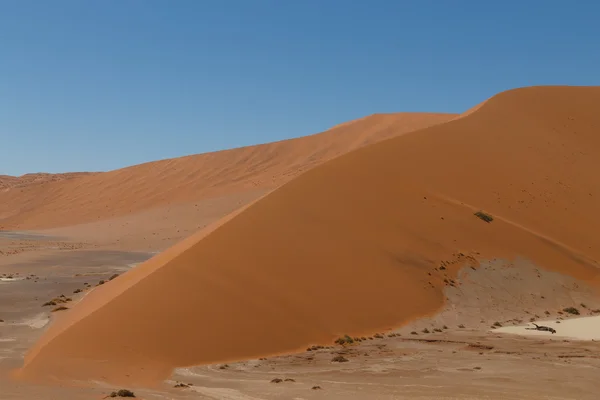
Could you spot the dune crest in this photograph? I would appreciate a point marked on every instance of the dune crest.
(353, 246)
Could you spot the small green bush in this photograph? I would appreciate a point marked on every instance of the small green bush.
(339, 359)
(344, 340)
(571, 310)
(484, 216)
(122, 393)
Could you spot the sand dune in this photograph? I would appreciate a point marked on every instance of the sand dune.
(351, 246)
(9, 182)
(137, 188)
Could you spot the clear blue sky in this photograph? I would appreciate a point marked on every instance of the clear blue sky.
(98, 85)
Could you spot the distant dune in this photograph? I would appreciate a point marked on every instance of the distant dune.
(9, 182)
(129, 190)
(346, 247)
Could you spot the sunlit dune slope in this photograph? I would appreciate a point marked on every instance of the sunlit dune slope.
(154, 184)
(352, 245)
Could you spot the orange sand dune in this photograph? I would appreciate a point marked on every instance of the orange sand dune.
(7, 181)
(351, 246)
(154, 184)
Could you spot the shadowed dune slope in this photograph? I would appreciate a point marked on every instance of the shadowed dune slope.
(144, 186)
(348, 247)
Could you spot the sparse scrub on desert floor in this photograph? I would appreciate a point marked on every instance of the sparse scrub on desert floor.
(62, 299)
(122, 393)
(497, 324)
(461, 326)
(437, 330)
(425, 330)
(60, 308)
(571, 310)
(316, 388)
(484, 216)
(480, 346)
(339, 358)
(277, 380)
(181, 385)
(596, 311)
(344, 340)
(414, 333)
(378, 336)
(583, 305)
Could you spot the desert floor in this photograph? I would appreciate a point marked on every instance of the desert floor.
(462, 356)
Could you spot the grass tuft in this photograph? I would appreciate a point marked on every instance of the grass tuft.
(484, 216)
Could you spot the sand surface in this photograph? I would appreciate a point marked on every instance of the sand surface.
(585, 328)
(354, 245)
